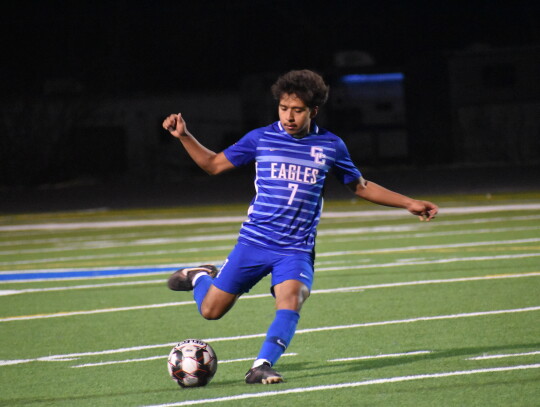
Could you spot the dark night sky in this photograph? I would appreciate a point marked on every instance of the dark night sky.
(166, 45)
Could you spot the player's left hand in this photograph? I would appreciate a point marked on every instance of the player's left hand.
(425, 210)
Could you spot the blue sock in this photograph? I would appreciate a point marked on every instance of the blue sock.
(202, 285)
(279, 335)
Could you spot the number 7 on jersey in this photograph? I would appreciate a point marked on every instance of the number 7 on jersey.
(294, 188)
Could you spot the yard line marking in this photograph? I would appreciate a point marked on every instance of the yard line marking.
(431, 234)
(412, 227)
(160, 233)
(75, 356)
(320, 291)
(507, 355)
(487, 220)
(79, 287)
(430, 247)
(231, 219)
(122, 223)
(424, 282)
(396, 379)
(418, 319)
(116, 362)
(454, 211)
(142, 242)
(67, 357)
(115, 255)
(427, 262)
(95, 311)
(388, 355)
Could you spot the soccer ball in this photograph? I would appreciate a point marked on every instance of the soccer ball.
(192, 363)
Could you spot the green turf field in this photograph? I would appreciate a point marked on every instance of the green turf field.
(402, 313)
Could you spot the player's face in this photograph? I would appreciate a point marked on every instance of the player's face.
(294, 115)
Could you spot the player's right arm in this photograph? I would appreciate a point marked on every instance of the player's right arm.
(211, 162)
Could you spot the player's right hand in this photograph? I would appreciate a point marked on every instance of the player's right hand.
(175, 125)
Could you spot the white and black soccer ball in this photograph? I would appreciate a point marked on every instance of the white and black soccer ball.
(192, 363)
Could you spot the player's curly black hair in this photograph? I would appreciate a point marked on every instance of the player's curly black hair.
(305, 84)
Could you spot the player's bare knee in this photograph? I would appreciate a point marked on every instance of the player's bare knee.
(210, 313)
(291, 295)
(210, 316)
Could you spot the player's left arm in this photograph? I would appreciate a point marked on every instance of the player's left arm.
(375, 193)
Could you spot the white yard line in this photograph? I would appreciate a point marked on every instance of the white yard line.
(122, 223)
(430, 247)
(397, 379)
(424, 282)
(74, 356)
(160, 233)
(109, 244)
(95, 311)
(406, 262)
(81, 287)
(507, 355)
(248, 296)
(116, 362)
(409, 236)
(207, 249)
(236, 219)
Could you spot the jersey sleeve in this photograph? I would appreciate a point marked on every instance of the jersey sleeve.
(344, 168)
(244, 150)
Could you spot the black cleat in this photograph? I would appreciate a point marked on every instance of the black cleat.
(182, 280)
(263, 374)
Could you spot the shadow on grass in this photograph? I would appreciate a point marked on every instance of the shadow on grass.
(319, 369)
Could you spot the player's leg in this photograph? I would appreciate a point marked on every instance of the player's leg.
(240, 272)
(184, 278)
(216, 292)
(215, 302)
(290, 295)
(212, 302)
(200, 279)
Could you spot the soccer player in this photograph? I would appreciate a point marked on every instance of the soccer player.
(293, 157)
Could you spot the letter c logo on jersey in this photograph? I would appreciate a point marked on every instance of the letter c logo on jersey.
(318, 155)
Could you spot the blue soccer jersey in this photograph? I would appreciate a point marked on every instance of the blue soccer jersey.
(289, 181)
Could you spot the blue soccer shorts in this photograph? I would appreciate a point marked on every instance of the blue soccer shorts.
(248, 264)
